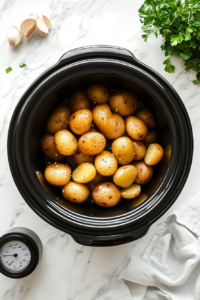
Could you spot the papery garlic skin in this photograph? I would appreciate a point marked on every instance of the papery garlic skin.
(46, 22)
(28, 27)
(14, 36)
(41, 26)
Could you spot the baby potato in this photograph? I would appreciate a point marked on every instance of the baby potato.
(80, 121)
(98, 178)
(167, 154)
(75, 192)
(79, 100)
(145, 172)
(49, 148)
(57, 174)
(98, 93)
(131, 192)
(146, 116)
(80, 158)
(106, 194)
(136, 128)
(92, 143)
(154, 154)
(151, 137)
(105, 163)
(139, 150)
(123, 150)
(66, 143)
(123, 103)
(84, 173)
(125, 176)
(59, 119)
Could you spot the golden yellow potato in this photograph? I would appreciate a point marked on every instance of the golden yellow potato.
(146, 116)
(136, 128)
(80, 121)
(79, 100)
(123, 150)
(80, 158)
(151, 137)
(125, 176)
(145, 172)
(139, 150)
(75, 192)
(84, 173)
(92, 143)
(59, 119)
(58, 174)
(49, 148)
(123, 103)
(66, 143)
(98, 93)
(105, 163)
(154, 154)
(98, 178)
(106, 194)
(167, 154)
(131, 192)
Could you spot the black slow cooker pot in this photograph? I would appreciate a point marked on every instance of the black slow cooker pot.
(87, 223)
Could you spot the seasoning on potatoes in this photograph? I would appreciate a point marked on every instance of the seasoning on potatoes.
(66, 143)
(98, 93)
(79, 100)
(167, 154)
(105, 163)
(146, 116)
(80, 158)
(136, 128)
(145, 172)
(151, 137)
(80, 121)
(106, 194)
(49, 148)
(59, 119)
(58, 174)
(92, 143)
(75, 192)
(98, 178)
(123, 103)
(131, 192)
(123, 150)
(154, 154)
(84, 173)
(125, 176)
(139, 150)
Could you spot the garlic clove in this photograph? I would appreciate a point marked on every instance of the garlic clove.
(47, 22)
(41, 26)
(14, 36)
(28, 27)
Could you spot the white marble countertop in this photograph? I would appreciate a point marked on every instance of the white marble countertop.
(68, 270)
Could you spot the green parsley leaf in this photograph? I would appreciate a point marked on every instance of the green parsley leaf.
(169, 67)
(23, 65)
(184, 56)
(8, 70)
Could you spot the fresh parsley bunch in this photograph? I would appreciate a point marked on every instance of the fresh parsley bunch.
(179, 24)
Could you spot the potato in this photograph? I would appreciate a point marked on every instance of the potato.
(136, 128)
(92, 143)
(98, 93)
(167, 154)
(106, 194)
(98, 178)
(146, 116)
(49, 148)
(154, 154)
(105, 163)
(151, 137)
(93, 128)
(145, 172)
(131, 192)
(123, 150)
(75, 192)
(123, 103)
(59, 119)
(58, 174)
(84, 173)
(79, 100)
(90, 185)
(66, 143)
(139, 150)
(80, 121)
(125, 176)
(80, 158)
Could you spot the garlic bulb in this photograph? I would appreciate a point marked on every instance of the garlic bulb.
(28, 27)
(41, 27)
(47, 22)
(14, 36)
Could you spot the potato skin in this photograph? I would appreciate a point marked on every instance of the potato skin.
(66, 143)
(145, 172)
(49, 148)
(75, 192)
(84, 173)
(151, 137)
(139, 150)
(79, 100)
(98, 93)
(80, 121)
(131, 192)
(92, 143)
(105, 163)
(80, 158)
(136, 128)
(146, 116)
(123, 103)
(58, 120)
(58, 174)
(125, 176)
(167, 154)
(106, 194)
(154, 154)
(123, 150)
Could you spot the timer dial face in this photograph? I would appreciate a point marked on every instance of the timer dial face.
(15, 256)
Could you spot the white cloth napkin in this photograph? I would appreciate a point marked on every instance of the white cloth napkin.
(170, 267)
